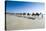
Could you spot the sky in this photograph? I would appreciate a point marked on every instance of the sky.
(24, 7)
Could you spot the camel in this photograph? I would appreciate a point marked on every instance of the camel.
(37, 14)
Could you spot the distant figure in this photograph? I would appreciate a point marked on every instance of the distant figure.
(28, 14)
(33, 14)
(41, 15)
(37, 14)
(24, 13)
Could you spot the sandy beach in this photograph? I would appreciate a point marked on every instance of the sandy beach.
(20, 23)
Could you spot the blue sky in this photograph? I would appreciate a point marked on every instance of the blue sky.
(24, 7)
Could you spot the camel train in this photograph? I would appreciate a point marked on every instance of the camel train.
(33, 14)
(28, 14)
